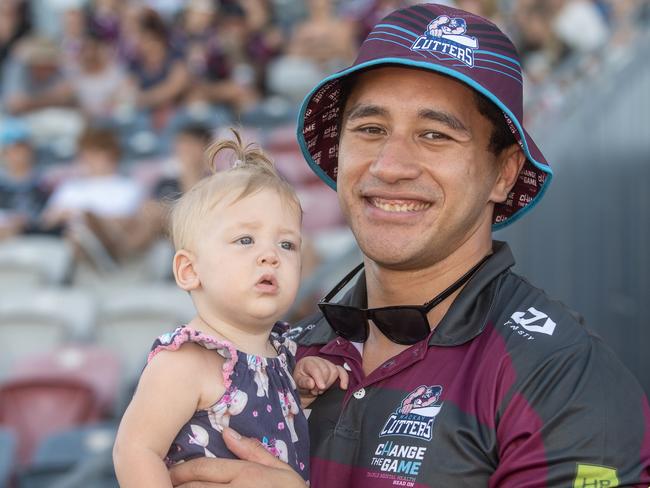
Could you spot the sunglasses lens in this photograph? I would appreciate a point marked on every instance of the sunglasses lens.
(402, 325)
(347, 322)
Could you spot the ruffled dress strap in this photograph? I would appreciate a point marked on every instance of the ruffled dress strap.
(172, 341)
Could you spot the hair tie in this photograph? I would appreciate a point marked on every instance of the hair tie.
(238, 163)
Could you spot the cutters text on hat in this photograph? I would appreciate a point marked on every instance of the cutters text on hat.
(444, 40)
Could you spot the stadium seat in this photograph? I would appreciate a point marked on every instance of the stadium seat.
(58, 456)
(8, 447)
(35, 408)
(130, 318)
(39, 319)
(34, 260)
(98, 367)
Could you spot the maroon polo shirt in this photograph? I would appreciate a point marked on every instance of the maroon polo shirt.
(510, 390)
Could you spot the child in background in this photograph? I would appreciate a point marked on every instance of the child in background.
(237, 235)
(22, 192)
(100, 204)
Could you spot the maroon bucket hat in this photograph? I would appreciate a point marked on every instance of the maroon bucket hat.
(444, 40)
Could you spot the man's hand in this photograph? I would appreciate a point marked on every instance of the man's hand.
(314, 375)
(255, 468)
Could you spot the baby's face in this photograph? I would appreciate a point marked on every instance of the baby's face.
(248, 259)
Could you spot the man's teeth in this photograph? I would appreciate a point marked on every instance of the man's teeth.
(400, 207)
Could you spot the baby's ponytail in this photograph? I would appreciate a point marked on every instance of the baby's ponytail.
(249, 157)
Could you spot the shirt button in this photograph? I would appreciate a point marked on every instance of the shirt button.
(360, 393)
(347, 367)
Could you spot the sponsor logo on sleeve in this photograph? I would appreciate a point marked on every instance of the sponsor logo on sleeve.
(595, 476)
(532, 320)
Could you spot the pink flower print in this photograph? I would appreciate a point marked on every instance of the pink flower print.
(255, 414)
(302, 466)
(280, 425)
(269, 408)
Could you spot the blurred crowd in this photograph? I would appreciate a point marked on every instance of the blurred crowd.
(106, 105)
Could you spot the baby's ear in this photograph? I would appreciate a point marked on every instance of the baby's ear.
(185, 273)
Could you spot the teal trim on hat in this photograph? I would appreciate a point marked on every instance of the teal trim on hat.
(440, 69)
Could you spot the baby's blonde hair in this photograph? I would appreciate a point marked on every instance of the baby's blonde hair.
(251, 171)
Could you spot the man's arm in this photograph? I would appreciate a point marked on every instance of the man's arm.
(577, 418)
(255, 468)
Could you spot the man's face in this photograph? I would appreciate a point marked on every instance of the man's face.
(415, 179)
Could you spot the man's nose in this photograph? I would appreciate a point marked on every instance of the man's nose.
(269, 257)
(396, 160)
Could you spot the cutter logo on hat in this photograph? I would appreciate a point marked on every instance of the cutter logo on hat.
(447, 35)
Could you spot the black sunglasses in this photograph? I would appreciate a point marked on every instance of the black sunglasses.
(402, 324)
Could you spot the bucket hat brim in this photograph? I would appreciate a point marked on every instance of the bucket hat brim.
(317, 130)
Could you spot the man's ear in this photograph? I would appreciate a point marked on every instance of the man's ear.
(185, 273)
(509, 162)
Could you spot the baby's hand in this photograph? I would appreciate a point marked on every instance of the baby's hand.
(315, 375)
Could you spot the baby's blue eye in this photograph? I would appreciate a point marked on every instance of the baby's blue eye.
(246, 240)
(288, 245)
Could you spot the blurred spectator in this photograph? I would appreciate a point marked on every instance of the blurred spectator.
(97, 80)
(72, 18)
(323, 38)
(14, 24)
(158, 74)
(128, 30)
(189, 166)
(167, 9)
(484, 8)
(22, 193)
(104, 18)
(364, 14)
(540, 50)
(226, 55)
(580, 25)
(319, 45)
(34, 78)
(100, 198)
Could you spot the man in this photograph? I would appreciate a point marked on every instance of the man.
(490, 383)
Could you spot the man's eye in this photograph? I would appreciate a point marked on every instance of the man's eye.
(288, 245)
(245, 241)
(434, 136)
(369, 129)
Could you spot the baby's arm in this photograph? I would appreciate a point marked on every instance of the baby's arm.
(168, 394)
(314, 375)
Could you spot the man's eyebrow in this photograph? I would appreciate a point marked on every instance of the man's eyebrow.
(364, 110)
(444, 117)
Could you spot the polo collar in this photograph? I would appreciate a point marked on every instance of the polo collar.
(465, 319)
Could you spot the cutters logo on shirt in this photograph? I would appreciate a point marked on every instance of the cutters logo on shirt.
(448, 36)
(416, 414)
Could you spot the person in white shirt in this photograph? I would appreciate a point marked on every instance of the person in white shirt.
(100, 198)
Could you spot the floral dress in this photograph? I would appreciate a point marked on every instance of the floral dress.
(260, 401)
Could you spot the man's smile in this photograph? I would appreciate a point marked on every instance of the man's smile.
(398, 205)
